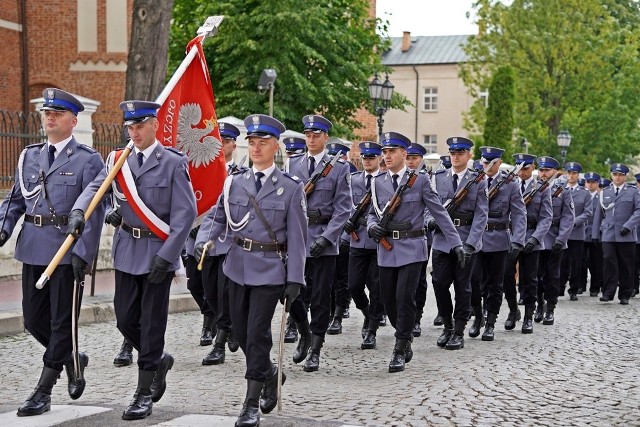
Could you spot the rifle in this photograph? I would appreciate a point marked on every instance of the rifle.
(361, 209)
(493, 192)
(453, 204)
(392, 206)
(235, 168)
(528, 198)
(310, 186)
(559, 188)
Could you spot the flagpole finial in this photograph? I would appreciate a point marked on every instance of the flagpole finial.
(210, 26)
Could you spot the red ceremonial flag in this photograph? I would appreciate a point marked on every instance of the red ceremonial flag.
(188, 122)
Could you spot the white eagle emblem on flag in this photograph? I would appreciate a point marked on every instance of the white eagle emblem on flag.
(200, 147)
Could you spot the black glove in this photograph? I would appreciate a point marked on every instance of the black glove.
(158, 269)
(4, 236)
(344, 245)
(557, 247)
(377, 232)
(194, 232)
(289, 293)
(514, 251)
(76, 223)
(185, 257)
(318, 246)
(431, 225)
(349, 227)
(461, 255)
(530, 245)
(113, 218)
(624, 231)
(79, 267)
(197, 251)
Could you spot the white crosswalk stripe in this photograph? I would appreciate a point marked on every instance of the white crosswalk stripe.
(199, 420)
(57, 414)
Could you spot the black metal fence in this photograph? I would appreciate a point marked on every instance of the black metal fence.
(17, 130)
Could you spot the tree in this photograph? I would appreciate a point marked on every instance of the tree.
(577, 69)
(498, 128)
(148, 49)
(324, 53)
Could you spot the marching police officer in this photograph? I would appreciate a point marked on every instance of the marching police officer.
(329, 204)
(49, 178)
(265, 209)
(503, 239)
(537, 199)
(636, 276)
(617, 220)
(470, 220)
(592, 247)
(446, 164)
(402, 247)
(157, 214)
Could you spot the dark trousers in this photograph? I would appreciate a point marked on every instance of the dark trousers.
(593, 256)
(252, 309)
(47, 311)
(364, 272)
(195, 285)
(398, 289)
(445, 272)
(318, 274)
(421, 292)
(618, 267)
(575, 255)
(223, 310)
(636, 276)
(527, 277)
(340, 296)
(141, 315)
(487, 278)
(549, 276)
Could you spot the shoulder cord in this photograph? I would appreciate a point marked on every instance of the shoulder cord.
(235, 226)
(117, 195)
(374, 199)
(26, 194)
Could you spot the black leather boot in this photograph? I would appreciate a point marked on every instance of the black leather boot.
(437, 321)
(250, 414)
(141, 406)
(478, 321)
(369, 340)
(417, 330)
(383, 321)
(447, 332)
(548, 315)
(365, 324)
(313, 360)
(232, 342)
(159, 384)
(291, 332)
(398, 358)
(217, 353)
(539, 314)
(125, 356)
(487, 335)
(269, 395)
(335, 327)
(527, 323)
(75, 385)
(208, 325)
(39, 401)
(513, 316)
(456, 342)
(304, 344)
(408, 351)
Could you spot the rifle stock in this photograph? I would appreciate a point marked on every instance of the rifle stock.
(310, 185)
(360, 210)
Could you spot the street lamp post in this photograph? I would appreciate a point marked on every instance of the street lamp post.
(380, 94)
(267, 81)
(524, 143)
(564, 140)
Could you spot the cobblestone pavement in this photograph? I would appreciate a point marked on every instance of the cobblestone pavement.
(584, 370)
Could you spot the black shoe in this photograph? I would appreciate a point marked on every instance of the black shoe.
(140, 407)
(605, 299)
(573, 297)
(487, 335)
(250, 414)
(581, 291)
(548, 317)
(313, 360)
(527, 326)
(437, 321)
(369, 341)
(269, 395)
(345, 313)
(593, 294)
(291, 333)
(398, 359)
(539, 313)
(365, 327)
(76, 385)
(159, 384)
(232, 342)
(383, 321)
(456, 342)
(215, 357)
(417, 330)
(125, 356)
(335, 327)
(207, 334)
(512, 318)
(520, 301)
(624, 301)
(304, 344)
(39, 401)
(478, 322)
(444, 338)
(408, 352)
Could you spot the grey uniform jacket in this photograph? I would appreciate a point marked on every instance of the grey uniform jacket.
(282, 201)
(563, 217)
(506, 208)
(71, 172)
(414, 201)
(539, 212)
(164, 186)
(475, 205)
(623, 211)
(331, 199)
(583, 206)
(588, 227)
(358, 190)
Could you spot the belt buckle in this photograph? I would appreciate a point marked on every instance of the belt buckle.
(37, 220)
(456, 222)
(135, 232)
(395, 234)
(247, 244)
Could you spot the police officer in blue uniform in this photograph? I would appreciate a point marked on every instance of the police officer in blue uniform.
(539, 214)
(502, 239)
(604, 183)
(470, 220)
(156, 221)
(617, 220)
(49, 178)
(328, 209)
(264, 211)
(592, 247)
(446, 164)
(574, 255)
(363, 262)
(400, 265)
(636, 276)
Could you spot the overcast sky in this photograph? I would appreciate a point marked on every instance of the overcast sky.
(426, 17)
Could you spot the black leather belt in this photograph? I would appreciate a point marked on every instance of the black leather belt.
(397, 234)
(253, 246)
(137, 233)
(498, 226)
(555, 223)
(459, 222)
(318, 220)
(40, 220)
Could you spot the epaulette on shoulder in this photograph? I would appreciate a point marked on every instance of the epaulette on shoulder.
(422, 171)
(174, 150)
(380, 174)
(291, 177)
(39, 145)
(440, 171)
(356, 173)
(297, 155)
(243, 169)
(629, 185)
(87, 148)
(473, 171)
(341, 161)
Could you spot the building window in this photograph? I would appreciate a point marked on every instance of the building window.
(431, 143)
(430, 99)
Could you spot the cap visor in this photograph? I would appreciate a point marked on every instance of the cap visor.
(137, 120)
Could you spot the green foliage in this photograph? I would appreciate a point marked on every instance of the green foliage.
(324, 53)
(577, 69)
(498, 127)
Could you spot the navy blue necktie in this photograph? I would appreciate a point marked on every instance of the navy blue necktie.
(395, 181)
(455, 182)
(368, 184)
(617, 190)
(140, 159)
(312, 165)
(489, 183)
(52, 155)
(259, 176)
(522, 188)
